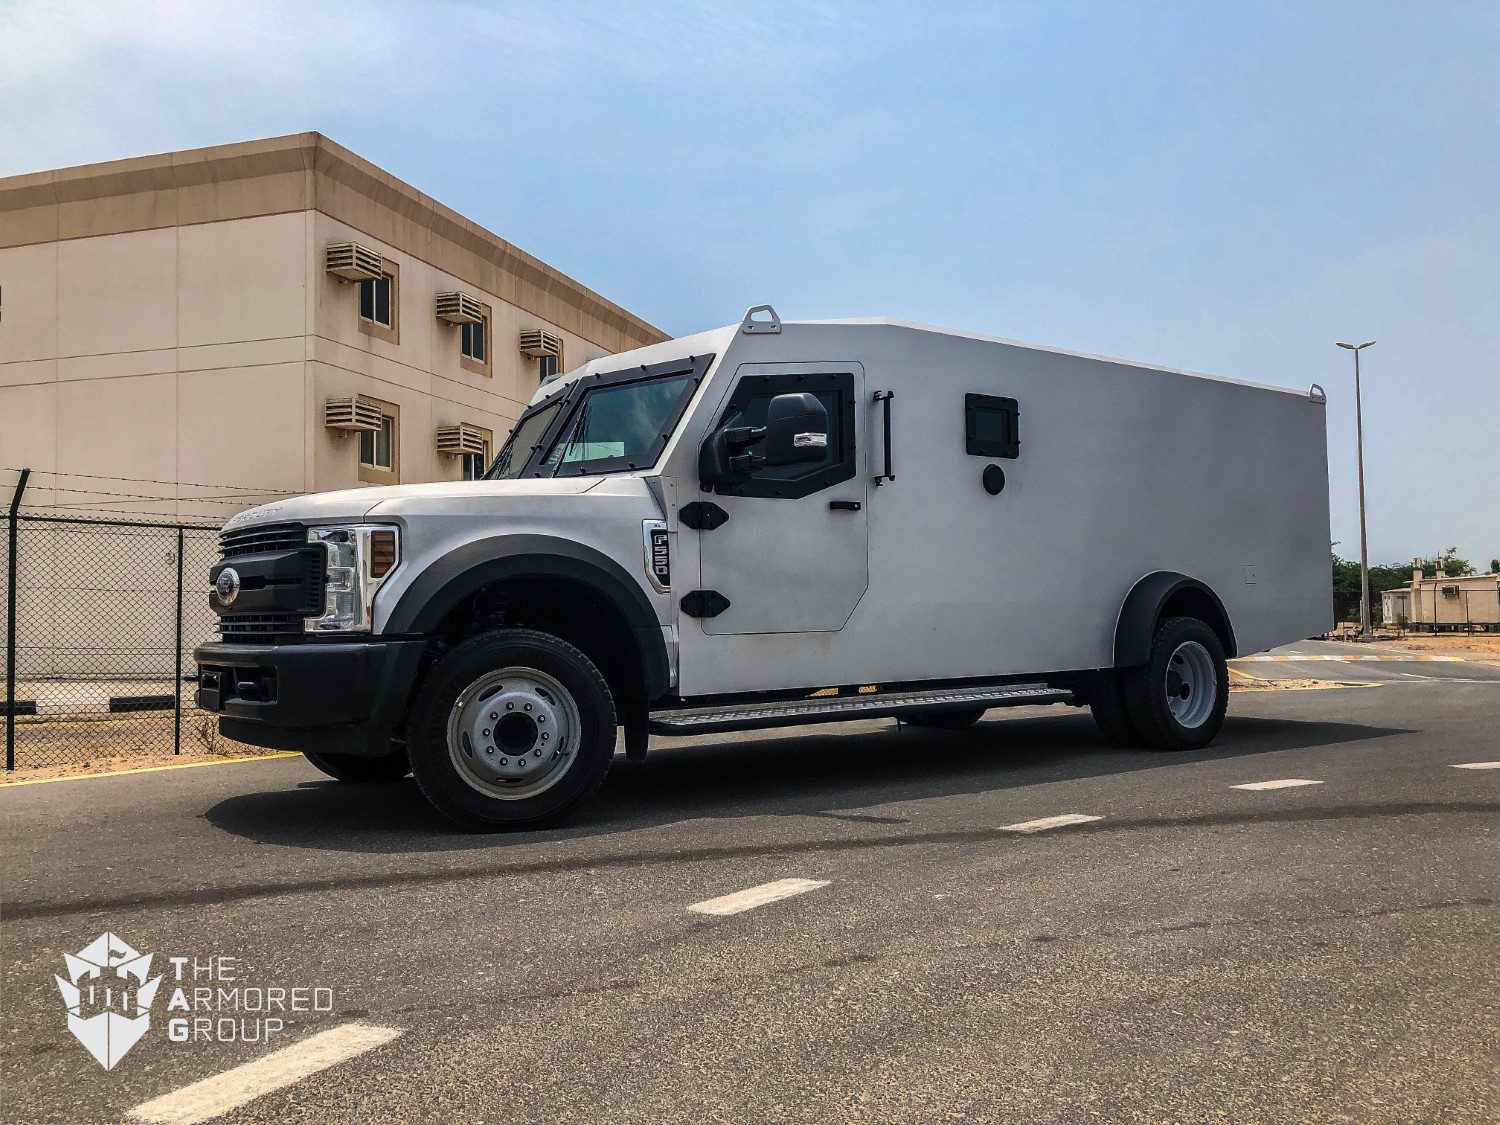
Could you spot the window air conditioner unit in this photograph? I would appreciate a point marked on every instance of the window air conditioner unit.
(459, 308)
(353, 262)
(356, 414)
(1449, 591)
(537, 342)
(455, 441)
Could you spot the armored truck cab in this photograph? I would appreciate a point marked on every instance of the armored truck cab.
(780, 523)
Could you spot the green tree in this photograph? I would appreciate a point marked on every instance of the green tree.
(1495, 566)
(1453, 566)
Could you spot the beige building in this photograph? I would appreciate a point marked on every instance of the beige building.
(186, 335)
(1444, 603)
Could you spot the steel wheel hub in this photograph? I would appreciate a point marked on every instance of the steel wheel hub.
(1191, 684)
(513, 732)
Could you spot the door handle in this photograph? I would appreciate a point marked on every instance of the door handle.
(844, 505)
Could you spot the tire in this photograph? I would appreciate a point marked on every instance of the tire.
(945, 720)
(358, 769)
(1111, 715)
(482, 734)
(1178, 699)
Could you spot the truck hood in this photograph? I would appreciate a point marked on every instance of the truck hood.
(355, 504)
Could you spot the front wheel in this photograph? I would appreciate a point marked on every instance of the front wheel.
(1178, 699)
(512, 729)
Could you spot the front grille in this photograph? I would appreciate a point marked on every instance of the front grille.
(267, 537)
(279, 619)
(262, 628)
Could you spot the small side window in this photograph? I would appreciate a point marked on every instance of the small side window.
(991, 426)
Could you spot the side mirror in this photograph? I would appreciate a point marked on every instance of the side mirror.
(796, 430)
(795, 433)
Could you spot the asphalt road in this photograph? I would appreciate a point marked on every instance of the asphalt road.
(1201, 952)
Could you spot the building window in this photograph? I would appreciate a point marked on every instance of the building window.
(380, 304)
(474, 341)
(380, 450)
(474, 351)
(547, 366)
(476, 463)
(375, 301)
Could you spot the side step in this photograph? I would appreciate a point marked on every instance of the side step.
(841, 708)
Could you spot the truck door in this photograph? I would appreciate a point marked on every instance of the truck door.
(791, 557)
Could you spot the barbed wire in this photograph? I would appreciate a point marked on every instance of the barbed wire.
(147, 480)
(221, 499)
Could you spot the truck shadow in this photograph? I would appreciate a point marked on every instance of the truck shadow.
(828, 772)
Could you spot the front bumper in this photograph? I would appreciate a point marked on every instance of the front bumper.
(345, 698)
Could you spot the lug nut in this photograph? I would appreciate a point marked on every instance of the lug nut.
(528, 707)
(485, 733)
(494, 714)
(510, 706)
(505, 761)
(489, 749)
(545, 736)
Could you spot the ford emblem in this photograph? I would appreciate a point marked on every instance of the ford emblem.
(227, 586)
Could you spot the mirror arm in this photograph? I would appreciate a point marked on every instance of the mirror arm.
(738, 437)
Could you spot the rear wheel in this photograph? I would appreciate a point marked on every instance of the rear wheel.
(945, 720)
(512, 729)
(359, 769)
(1178, 699)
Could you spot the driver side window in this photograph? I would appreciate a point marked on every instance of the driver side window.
(748, 407)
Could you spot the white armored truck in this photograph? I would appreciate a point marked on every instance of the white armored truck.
(780, 523)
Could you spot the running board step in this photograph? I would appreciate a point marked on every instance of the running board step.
(841, 708)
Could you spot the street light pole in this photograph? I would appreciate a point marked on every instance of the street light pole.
(1364, 547)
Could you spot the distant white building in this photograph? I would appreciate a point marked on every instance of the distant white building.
(1442, 604)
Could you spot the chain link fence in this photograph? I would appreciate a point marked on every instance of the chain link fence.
(101, 617)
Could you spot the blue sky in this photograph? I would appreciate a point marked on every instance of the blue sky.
(1219, 186)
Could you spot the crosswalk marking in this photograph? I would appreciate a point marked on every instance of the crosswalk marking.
(1280, 783)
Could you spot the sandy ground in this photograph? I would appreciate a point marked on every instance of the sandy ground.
(1484, 647)
(1242, 682)
(73, 745)
(228, 752)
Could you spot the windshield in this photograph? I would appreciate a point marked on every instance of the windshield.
(523, 440)
(618, 427)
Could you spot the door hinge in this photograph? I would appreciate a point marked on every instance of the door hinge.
(703, 515)
(704, 603)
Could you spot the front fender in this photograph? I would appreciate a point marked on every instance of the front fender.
(451, 578)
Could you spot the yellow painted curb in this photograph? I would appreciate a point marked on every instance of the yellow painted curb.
(146, 769)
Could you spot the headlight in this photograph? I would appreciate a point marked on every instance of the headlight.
(360, 558)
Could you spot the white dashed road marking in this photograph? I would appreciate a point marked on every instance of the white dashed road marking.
(1476, 765)
(757, 896)
(1049, 822)
(1282, 783)
(216, 1096)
